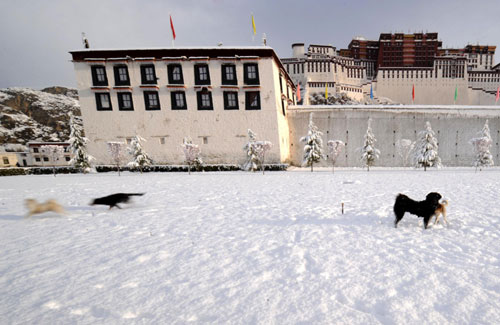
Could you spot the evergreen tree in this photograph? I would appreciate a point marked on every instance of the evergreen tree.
(192, 153)
(141, 158)
(313, 148)
(78, 146)
(482, 145)
(335, 147)
(426, 149)
(368, 152)
(252, 162)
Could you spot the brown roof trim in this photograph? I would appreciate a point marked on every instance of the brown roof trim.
(159, 54)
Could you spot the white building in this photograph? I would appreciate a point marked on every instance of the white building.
(37, 157)
(212, 95)
(470, 72)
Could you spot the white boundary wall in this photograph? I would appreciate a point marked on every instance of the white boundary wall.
(454, 127)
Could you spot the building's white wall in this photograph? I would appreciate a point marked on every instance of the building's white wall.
(225, 130)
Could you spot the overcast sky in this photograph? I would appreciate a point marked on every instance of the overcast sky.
(35, 36)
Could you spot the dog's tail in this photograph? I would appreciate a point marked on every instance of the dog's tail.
(444, 202)
(135, 194)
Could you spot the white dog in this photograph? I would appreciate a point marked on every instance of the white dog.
(50, 205)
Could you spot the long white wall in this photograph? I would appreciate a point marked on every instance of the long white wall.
(454, 127)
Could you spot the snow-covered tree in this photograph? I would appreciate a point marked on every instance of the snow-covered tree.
(192, 153)
(482, 145)
(313, 148)
(78, 146)
(335, 147)
(403, 148)
(140, 157)
(54, 152)
(117, 152)
(252, 162)
(369, 154)
(426, 149)
(261, 147)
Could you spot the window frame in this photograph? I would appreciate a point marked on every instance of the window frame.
(197, 79)
(247, 79)
(200, 101)
(225, 80)
(144, 75)
(173, 100)
(147, 105)
(170, 72)
(118, 81)
(226, 100)
(95, 75)
(248, 105)
(120, 101)
(99, 102)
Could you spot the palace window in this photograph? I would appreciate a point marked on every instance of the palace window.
(204, 100)
(251, 74)
(121, 75)
(230, 100)
(178, 99)
(125, 102)
(201, 74)
(252, 100)
(148, 75)
(5, 160)
(99, 77)
(151, 101)
(175, 74)
(103, 102)
(229, 74)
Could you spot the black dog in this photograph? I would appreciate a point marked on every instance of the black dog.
(423, 209)
(113, 199)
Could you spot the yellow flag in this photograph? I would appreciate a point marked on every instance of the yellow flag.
(253, 25)
(326, 90)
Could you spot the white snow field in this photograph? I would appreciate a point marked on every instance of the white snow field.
(247, 248)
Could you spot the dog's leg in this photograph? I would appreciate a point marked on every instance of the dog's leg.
(399, 216)
(444, 217)
(437, 218)
(426, 221)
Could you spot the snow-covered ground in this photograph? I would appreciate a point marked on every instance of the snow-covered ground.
(247, 248)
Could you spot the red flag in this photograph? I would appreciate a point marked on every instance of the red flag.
(298, 93)
(498, 94)
(413, 93)
(172, 27)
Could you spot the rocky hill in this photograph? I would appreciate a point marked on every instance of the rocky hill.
(33, 115)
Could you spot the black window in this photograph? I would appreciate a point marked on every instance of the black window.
(35, 150)
(251, 73)
(121, 75)
(99, 77)
(178, 99)
(201, 74)
(103, 101)
(205, 100)
(252, 100)
(5, 160)
(37, 158)
(148, 75)
(125, 102)
(175, 74)
(45, 158)
(230, 100)
(67, 158)
(229, 74)
(151, 100)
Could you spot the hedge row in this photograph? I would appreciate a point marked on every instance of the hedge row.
(12, 171)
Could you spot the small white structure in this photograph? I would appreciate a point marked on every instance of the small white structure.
(39, 158)
(213, 95)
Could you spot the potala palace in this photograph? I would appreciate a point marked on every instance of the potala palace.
(215, 94)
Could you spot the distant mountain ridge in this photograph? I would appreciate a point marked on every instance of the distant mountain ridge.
(36, 115)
